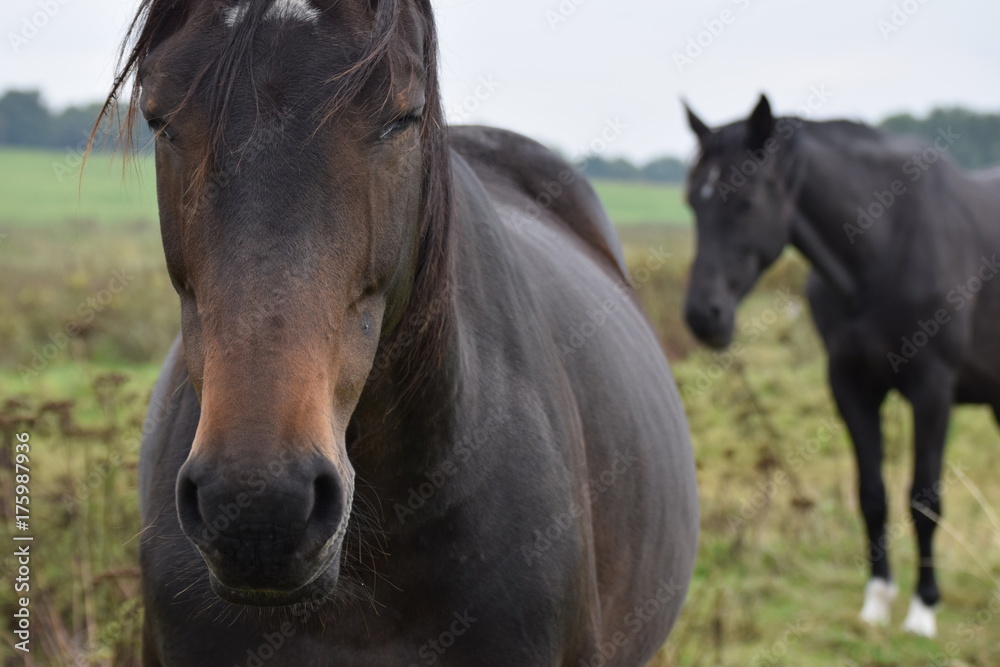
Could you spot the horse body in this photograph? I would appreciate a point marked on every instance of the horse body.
(915, 260)
(526, 550)
(904, 247)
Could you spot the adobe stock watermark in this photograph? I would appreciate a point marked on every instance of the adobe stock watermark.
(986, 618)
(271, 644)
(712, 30)
(86, 312)
(897, 529)
(899, 16)
(273, 641)
(434, 649)
(777, 652)
(752, 504)
(913, 169)
(562, 13)
(583, 330)
(485, 88)
(419, 495)
(633, 623)
(546, 537)
(70, 165)
(129, 443)
(611, 131)
(32, 24)
(722, 362)
(253, 485)
(264, 137)
(784, 129)
(527, 219)
(958, 297)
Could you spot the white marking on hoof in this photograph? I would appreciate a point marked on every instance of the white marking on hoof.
(292, 10)
(921, 619)
(879, 595)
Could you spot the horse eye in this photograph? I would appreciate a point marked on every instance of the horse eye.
(161, 128)
(399, 125)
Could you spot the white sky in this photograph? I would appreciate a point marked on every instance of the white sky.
(614, 59)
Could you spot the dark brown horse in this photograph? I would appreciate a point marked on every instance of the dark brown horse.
(904, 246)
(377, 442)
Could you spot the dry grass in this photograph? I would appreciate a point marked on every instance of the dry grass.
(778, 581)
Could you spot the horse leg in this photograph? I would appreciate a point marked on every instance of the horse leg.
(859, 398)
(931, 402)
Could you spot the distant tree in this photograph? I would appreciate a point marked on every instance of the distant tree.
(978, 143)
(660, 170)
(618, 169)
(23, 119)
(73, 126)
(903, 123)
(665, 170)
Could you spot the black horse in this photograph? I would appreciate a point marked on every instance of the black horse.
(904, 247)
(377, 442)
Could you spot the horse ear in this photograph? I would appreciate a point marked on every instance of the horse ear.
(697, 124)
(761, 123)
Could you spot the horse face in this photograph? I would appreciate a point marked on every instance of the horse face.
(290, 220)
(744, 208)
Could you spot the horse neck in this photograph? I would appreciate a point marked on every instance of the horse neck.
(826, 216)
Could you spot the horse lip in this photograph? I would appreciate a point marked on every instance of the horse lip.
(718, 341)
(316, 588)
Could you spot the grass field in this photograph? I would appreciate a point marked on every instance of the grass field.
(778, 580)
(644, 204)
(44, 188)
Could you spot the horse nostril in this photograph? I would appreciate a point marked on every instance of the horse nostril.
(187, 503)
(714, 313)
(327, 504)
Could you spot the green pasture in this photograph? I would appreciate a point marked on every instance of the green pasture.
(44, 188)
(779, 578)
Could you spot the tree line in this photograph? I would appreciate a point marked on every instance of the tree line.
(26, 122)
(978, 134)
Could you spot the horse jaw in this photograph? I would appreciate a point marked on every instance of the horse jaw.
(879, 595)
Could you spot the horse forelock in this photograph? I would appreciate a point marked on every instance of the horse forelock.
(728, 147)
(377, 51)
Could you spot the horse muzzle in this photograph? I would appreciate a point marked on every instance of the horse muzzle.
(712, 324)
(271, 535)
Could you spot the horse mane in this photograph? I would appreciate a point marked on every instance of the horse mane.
(849, 128)
(427, 318)
(862, 137)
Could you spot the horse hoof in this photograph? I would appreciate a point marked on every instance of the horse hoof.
(879, 595)
(920, 620)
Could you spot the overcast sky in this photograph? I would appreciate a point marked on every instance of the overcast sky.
(561, 71)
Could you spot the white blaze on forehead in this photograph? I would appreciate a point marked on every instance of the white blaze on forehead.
(281, 10)
(709, 186)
